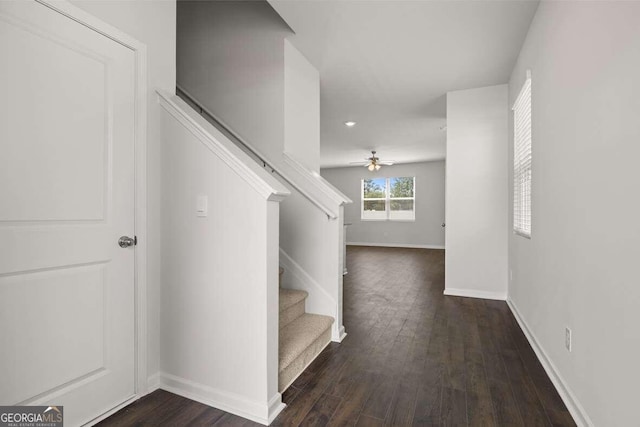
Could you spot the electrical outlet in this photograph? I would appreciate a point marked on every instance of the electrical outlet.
(567, 338)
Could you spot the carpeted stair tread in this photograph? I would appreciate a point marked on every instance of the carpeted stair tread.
(297, 336)
(290, 297)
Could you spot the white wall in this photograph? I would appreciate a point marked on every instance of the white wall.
(234, 60)
(231, 59)
(219, 316)
(302, 108)
(425, 231)
(153, 23)
(311, 254)
(580, 268)
(477, 173)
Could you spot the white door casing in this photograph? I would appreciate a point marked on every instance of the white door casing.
(71, 127)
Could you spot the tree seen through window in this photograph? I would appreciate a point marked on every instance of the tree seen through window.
(388, 198)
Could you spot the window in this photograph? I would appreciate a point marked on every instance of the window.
(522, 161)
(388, 199)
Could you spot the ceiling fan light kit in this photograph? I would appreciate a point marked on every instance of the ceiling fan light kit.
(374, 163)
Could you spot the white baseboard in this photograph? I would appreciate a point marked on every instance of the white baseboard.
(568, 397)
(341, 334)
(335, 332)
(275, 407)
(260, 412)
(395, 245)
(153, 383)
(472, 293)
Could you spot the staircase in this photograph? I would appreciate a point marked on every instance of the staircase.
(194, 139)
(302, 335)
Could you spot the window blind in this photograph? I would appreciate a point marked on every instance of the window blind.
(522, 161)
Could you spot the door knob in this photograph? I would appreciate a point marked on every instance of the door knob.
(126, 241)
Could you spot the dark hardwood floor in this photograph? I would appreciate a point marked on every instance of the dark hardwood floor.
(412, 357)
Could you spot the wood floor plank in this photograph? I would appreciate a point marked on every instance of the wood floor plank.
(351, 405)
(403, 404)
(185, 415)
(294, 414)
(429, 395)
(349, 373)
(504, 404)
(380, 400)
(411, 356)
(454, 407)
(367, 421)
(207, 418)
(524, 391)
(322, 411)
(479, 403)
(138, 410)
(230, 420)
(480, 409)
(290, 395)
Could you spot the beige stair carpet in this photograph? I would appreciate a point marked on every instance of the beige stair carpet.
(300, 343)
(291, 305)
(302, 335)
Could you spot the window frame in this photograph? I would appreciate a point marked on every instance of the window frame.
(387, 201)
(522, 161)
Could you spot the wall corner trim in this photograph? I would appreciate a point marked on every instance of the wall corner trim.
(342, 334)
(275, 407)
(568, 397)
(153, 383)
(474, 293)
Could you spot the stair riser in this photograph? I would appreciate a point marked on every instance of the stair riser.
(295, 368)
(292, 313)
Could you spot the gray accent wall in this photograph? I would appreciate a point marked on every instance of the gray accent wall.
(425, 231)
(231, 59)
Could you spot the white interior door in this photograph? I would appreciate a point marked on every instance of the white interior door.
(66, 196)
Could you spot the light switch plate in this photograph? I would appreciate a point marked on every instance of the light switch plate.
(202, 206)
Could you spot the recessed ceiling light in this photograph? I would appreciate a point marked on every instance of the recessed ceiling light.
(349, 124)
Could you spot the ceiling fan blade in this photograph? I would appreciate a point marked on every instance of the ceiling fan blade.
(386, 162)
(359, 163)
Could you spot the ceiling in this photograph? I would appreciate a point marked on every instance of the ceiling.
(388, 65)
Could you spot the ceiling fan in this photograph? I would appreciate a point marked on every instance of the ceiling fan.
(374, 163)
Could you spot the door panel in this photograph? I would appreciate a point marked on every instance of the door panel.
(79, 343)
(40, 112)
(67, 118)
